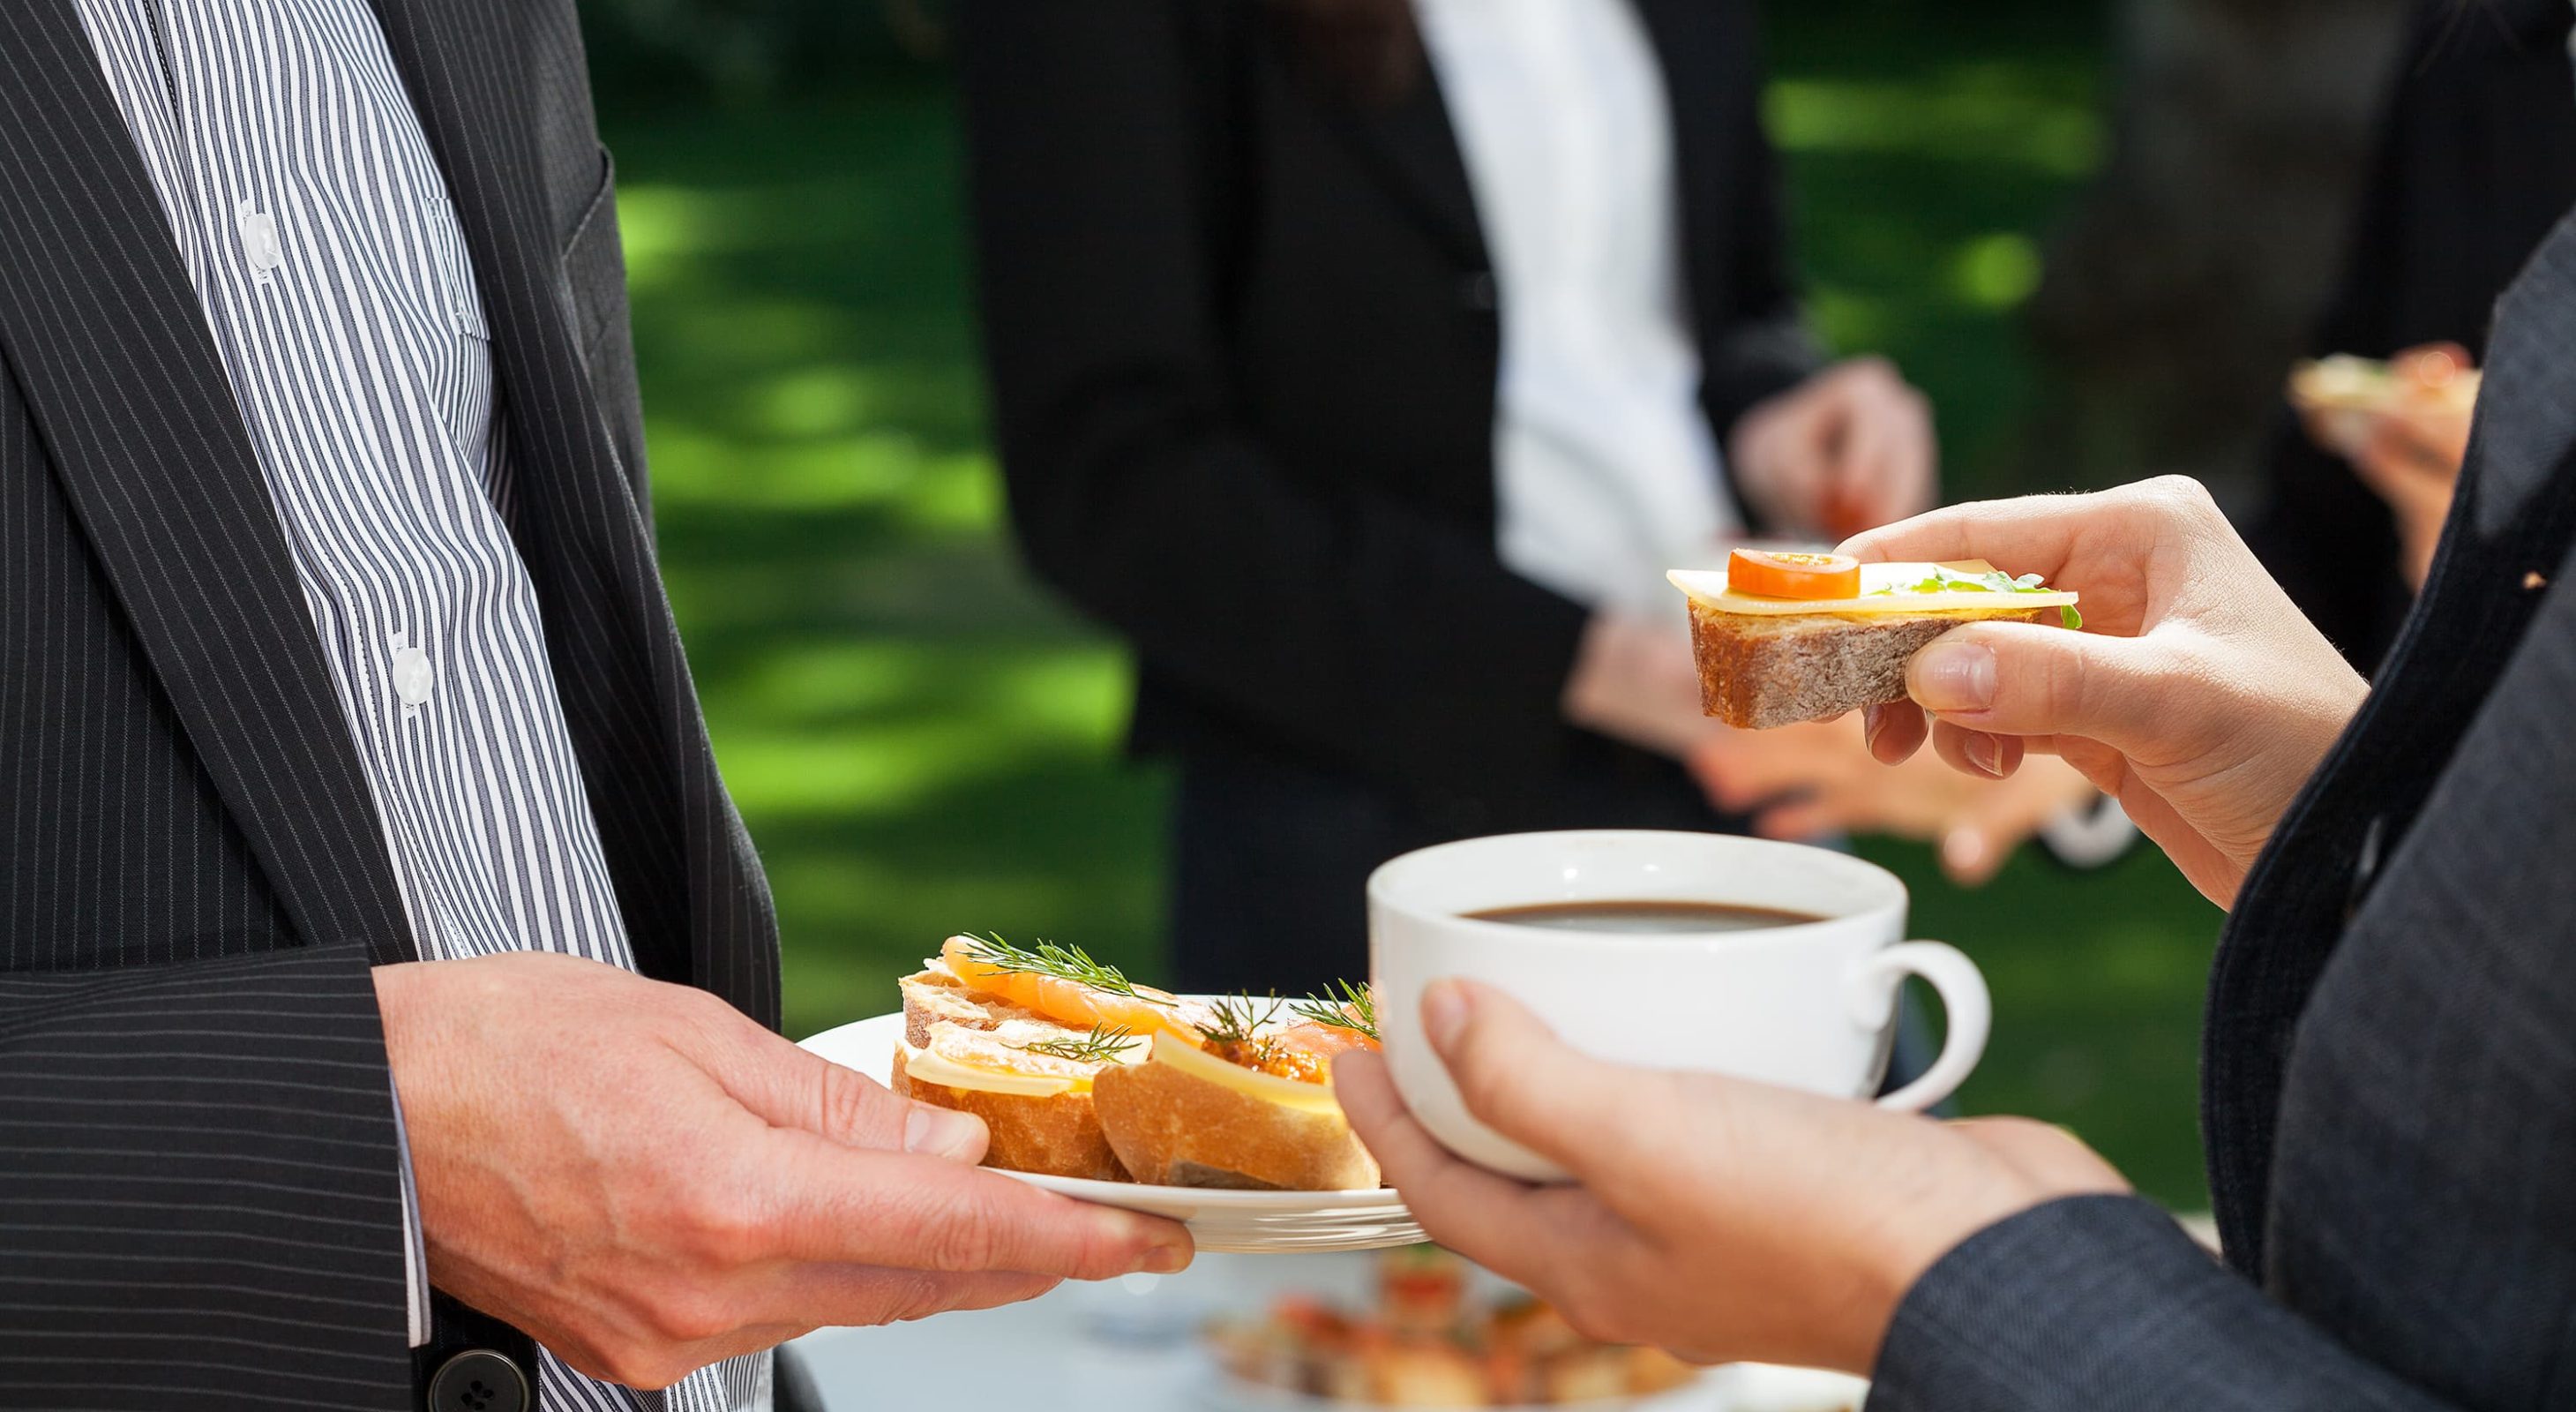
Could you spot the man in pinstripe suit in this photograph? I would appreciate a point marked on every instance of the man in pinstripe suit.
(372, 918)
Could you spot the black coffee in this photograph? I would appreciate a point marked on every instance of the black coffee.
(1645, 918)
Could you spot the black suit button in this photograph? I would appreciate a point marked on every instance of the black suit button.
(2365, 866)
(479, 1380)
(1477, 292)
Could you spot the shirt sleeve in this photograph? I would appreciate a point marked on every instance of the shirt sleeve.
(415, 1257)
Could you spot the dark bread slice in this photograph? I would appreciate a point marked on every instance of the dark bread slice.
(1759, 670)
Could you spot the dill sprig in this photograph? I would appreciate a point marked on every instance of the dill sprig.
(1064, 963)
(1353, 1008)
(1235, 1021)
(1103, 1045)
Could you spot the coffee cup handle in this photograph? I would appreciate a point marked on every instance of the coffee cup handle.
(1969, 1010)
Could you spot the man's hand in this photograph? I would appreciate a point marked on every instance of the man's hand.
(1847, 449)
(1715, 1217)
(2196, 694)
(1818, 778)
(647, 1182)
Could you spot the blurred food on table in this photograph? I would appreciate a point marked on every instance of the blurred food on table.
(1432, 1339)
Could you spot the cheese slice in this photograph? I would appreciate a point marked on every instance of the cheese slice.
(931, 1067)
(1270, 1088)
(1708, 588)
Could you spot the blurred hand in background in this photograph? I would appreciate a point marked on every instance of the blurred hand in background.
(1799, 782)
(2410, 456)
(1635, 680)
(1849, 449)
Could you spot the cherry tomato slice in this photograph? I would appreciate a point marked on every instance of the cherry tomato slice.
(1773, 574)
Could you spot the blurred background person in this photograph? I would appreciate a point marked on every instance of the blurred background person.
(1365, 363)
(2475, 162)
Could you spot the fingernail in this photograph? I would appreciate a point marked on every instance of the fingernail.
(1871, 718)
(941, 1133)
(1954, 676)
(1167, 1258)
(1444, 1013)
(1986, 753)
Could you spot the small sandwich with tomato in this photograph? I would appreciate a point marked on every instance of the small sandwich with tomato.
(1080, 1072)
(1784, 636)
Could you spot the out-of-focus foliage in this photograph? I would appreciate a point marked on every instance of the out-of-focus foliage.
(646, 52)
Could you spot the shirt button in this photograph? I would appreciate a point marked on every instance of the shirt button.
(258, 231)
(414, 677)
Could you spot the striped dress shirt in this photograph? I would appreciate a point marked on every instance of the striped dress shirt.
(314, 225)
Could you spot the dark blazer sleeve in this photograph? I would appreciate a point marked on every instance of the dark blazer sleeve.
(2102, 1303)
(1338, 620)
(198, 1186)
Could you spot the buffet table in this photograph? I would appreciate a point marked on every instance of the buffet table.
(1133, 1345)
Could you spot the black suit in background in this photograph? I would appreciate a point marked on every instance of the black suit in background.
(199, 1197)
(1242, 332)
(2389, 1072)
(2476, 160)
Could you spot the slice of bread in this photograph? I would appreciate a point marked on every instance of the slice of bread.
(1188, 1118)
(1056, 1133)
(1762, 670)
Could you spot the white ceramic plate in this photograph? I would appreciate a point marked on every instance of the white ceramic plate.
(1233, 1222)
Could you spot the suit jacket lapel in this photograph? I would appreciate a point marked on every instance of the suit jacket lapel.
(109, 346)
(614, 649)
(1412, 146)
(1413, 143)
(1700, 70)
(2511, 523)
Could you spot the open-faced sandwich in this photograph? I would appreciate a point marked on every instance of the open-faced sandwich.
(2345, 398)
(1080, 1072)
(2342, 382)
(1783, 637)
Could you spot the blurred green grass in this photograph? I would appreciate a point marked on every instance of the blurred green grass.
(922, 741)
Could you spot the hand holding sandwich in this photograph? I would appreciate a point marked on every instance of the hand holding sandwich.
(2197, 695)
(648, 1182)
(1718, 1218)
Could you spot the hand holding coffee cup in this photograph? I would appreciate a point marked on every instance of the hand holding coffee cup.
(1768, 961)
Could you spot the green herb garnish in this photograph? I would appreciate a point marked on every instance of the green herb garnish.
(1355, 1008)
(1064, 963)
(1102, 1046)
(2067, 616)
(1235, 1021)
(1943, 581)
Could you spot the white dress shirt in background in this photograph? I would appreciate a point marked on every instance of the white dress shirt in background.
(1606, 470)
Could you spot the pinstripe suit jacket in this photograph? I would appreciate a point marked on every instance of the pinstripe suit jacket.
(2389, 1076)
(198, 1191)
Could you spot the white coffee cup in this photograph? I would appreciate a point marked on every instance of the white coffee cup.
(1808, 1005)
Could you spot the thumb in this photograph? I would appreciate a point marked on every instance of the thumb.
(791, 1087)
(2023, 679)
